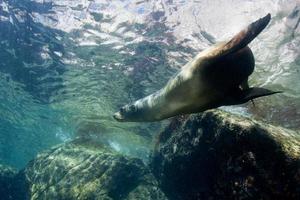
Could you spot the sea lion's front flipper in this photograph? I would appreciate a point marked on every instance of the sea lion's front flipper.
(255, 92)
(245, 85)
(239, 96)
(242, 39)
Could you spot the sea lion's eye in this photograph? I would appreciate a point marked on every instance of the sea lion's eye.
(122, 110)
(132, 108)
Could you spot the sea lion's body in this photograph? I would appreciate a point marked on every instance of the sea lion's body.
(190, 91)
(215, 77)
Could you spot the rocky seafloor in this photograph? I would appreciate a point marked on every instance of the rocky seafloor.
(212, 155)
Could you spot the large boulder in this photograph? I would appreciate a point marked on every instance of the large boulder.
(217, 155)
(86, 172)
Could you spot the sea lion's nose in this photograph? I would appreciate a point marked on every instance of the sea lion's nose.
(117, 116)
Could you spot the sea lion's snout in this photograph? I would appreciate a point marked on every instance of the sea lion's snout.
(122, 115)
(126, 113)
(118, 116)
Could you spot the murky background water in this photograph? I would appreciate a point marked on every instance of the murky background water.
(67, 65)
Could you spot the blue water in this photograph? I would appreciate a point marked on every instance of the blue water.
(67, 66)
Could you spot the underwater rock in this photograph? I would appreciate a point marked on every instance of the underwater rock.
(217, 155)
(74, 171)
(7, 176)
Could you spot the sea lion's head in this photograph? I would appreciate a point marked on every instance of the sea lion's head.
(127, 113)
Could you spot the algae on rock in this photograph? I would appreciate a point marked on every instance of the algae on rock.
(217, 155)
(74, 171)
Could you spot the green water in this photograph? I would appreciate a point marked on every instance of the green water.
(67, 66)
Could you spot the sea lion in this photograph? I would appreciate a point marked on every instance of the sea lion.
(216, 77)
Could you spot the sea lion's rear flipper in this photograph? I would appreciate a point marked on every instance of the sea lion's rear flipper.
(255, 92)
(242, 39)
